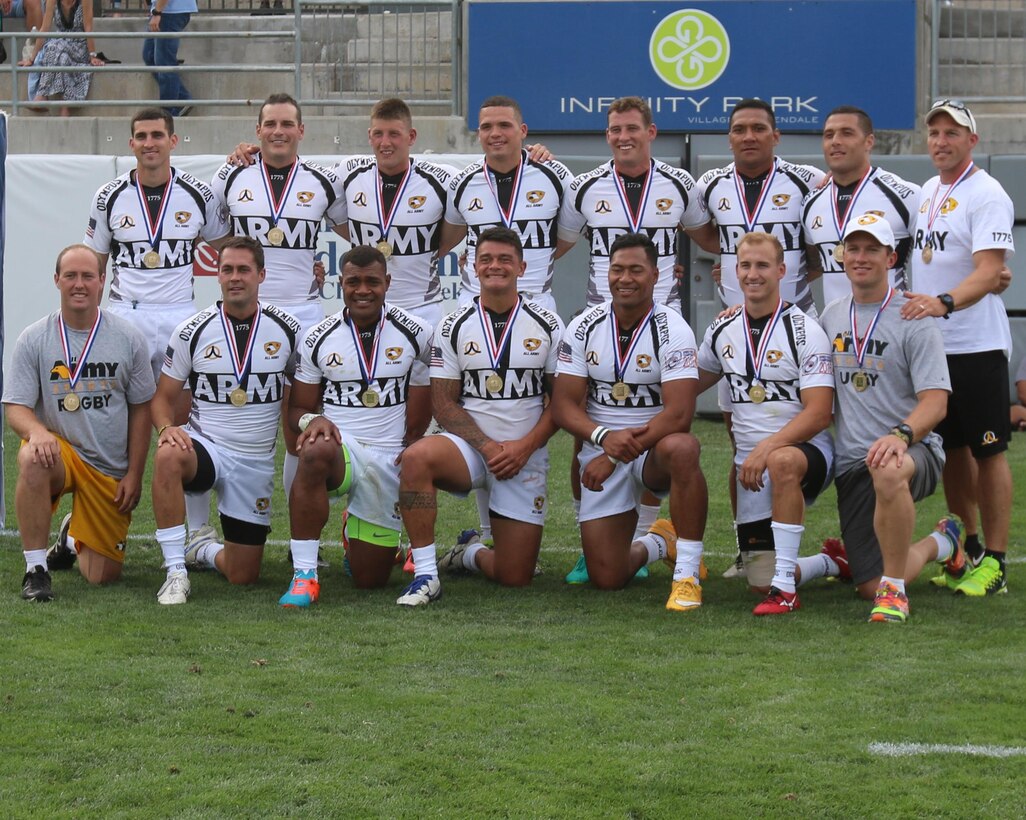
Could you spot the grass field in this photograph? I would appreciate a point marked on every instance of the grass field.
(545, 702)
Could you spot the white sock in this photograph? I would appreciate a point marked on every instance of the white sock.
(197, 510)
(945, 549)
(35, 558)
(654, 544)
(898, 582)
(787, 539)
(470, 557)
(424, 561)
(646, 518)
(172, 544)
(577, 510)
(304, 554)
(207, 555)
(288, 473)
(689, 556)
(816, 566)
(483, 516)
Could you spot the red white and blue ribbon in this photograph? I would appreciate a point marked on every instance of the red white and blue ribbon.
(835, 211)
(862, 347)
(240, 364)
(634, 220)
(385, 220)
(937, 204)
(758, 355)
(277, 206)
(497, 348)
(751, 217)
(506, 214)
(368, 364)
(620, 362)
(75, 373)
(155, 227)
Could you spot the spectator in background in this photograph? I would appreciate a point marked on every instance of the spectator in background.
(1018, 417)
(169, 16)
(31, 10)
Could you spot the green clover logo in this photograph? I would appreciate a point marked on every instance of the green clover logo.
(689, 49)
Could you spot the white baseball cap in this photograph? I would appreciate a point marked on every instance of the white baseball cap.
(876, 226)
(957, 110)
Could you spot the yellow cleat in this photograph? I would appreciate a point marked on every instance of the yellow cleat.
(664, 529)
(685, 596)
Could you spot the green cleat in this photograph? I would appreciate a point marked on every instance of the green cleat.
(579, 574)
(986, 579)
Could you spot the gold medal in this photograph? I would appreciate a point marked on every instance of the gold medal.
(71, 402)
(151, 259)
(238, 397)
(757, 394)
(276, 236)
(385, 248)
(493, 384)
(370, 398)
(621, 391)
(927, 254)
(839, 253)
(860, 381)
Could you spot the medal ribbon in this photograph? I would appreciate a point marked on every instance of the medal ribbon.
(620, 362)
(240, 365)
(496, 349)
(493, 186)
(750, 218)
(277, 206)
(385, 222)
(861, 348)
(634, 220)
(368, 366)
(835, 211)
(154, 228)
(76, 373)
(758, 356)
(937, 205)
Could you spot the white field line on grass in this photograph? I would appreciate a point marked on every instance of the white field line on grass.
(916, 749)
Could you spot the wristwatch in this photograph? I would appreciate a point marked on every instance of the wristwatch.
(904, 432)
(948, 302)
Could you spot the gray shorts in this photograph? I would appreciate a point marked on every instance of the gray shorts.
(856, 505)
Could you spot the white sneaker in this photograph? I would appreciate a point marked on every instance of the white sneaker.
(199, 539)
(175, 590)
(423, 590)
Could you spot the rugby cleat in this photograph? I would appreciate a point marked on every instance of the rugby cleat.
(664, 529)
(197, 541)
(422, 591)
(955, 568)
(304, 590)
(833, 548)
(579, 574)
(889, 606)
(737, 569)
(778, 602)
(986, 579)
(35, 586)
(175, 590)
(60, 555)
(685, 596)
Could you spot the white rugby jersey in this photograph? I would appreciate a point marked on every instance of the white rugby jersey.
(199, 354)
(884, 194)
(118, 227)
(666, 351)
(536, 200)
(315, 193)
(977, 215)
(329, 356)
(593, 205)
(777, 212)
(797, 356)
(460, 351)
(414, 226)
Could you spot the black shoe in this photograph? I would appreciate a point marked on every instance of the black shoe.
(184, 111)
(35, 586)
(60, 556)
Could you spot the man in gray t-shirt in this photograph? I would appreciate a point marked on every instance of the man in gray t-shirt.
(78, 394)
(892, 386)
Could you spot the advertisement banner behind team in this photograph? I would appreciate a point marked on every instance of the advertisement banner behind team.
(565, 62)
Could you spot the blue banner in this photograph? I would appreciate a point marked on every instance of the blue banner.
(565, 62)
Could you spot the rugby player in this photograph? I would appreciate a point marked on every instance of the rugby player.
(357, 364)
(233, 355)
(627, 383)
(491, 365)
(78, 396)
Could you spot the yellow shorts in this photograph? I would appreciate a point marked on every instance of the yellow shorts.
(96, 521)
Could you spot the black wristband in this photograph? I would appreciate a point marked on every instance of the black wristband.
(904, 432)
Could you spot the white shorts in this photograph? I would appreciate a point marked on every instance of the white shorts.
(244, 482)
(755, 505)
(156, 322)
(432, 314)
(620, 493)
(524, 497)
(374, 492)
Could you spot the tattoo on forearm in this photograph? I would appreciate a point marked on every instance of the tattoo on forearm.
(416, 501)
